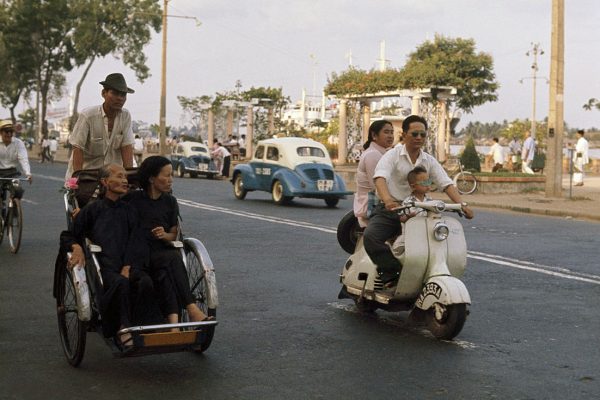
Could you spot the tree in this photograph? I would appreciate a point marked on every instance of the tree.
(469, 157)
(452, 62)
(359, 82)
(121, 28)
(591, 104)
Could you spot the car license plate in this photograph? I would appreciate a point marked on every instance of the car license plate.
(324, 185)
(202, 167)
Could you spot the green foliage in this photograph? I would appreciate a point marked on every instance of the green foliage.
(591, 104)
(358, 82)
(453, 62)
(469, 157)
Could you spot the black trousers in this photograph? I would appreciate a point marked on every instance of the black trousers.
(226, 164)
(171, 280)
(383, 225)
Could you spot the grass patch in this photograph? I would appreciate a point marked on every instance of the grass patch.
(532, 190)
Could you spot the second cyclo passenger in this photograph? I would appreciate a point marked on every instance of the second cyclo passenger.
(392, 188)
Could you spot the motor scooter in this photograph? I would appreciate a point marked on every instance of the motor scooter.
(434, 257)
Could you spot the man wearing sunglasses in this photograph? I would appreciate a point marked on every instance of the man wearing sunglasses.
(103, 134)
(13, 154)
(392, 188)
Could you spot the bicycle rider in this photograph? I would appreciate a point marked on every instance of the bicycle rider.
(392, 187)
(13, 154)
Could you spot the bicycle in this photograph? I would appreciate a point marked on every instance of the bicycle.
(11, 219)
(465, 181)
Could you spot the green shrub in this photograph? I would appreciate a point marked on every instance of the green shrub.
(469, 157)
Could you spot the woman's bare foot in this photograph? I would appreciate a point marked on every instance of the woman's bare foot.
(125, 338)
(196, 315)
(173, 319)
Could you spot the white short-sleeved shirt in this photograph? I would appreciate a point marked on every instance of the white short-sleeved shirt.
(528, 149)
(395, 165)
(497, 151)
(90, 134)
(14, 155)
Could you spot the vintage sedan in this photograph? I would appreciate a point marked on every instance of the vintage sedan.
(193, 158)
(290, 167)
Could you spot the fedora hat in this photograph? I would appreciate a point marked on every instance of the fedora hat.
(116, 81)
(6, 123)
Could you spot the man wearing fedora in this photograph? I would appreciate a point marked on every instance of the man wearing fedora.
(103, 134)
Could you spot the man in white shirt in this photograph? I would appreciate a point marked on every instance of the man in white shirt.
(52, 148)
(497, 153)
(222, 158)
(527, 153)
(13, 154)
(392, 188)
(103, 134)
(580, 158)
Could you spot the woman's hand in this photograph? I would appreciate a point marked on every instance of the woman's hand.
(77, 256)
(159, 233)
(125, 271)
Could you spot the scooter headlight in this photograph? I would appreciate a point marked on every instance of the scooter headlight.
(441, 231)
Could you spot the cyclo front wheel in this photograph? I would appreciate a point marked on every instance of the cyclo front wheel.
(14, 226)
(72, 330)
(203, 287)
(465, 182)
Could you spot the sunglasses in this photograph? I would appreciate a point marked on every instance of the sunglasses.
(427, 182)
(10, 131)
(417, 133)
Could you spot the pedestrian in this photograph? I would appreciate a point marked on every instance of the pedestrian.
(138, 149)
(242, 143)
(102, 134)
(222, 158)
(580, 158)
(527, 153)
(497, 154)
(44, 153)
(514, 147)
(52, 148)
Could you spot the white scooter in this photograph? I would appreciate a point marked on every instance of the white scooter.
(434, 257)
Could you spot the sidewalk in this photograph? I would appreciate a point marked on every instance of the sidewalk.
(583, 204)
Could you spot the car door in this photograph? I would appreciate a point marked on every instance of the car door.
(257, 164)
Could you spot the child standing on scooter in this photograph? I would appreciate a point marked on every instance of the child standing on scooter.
(419, 182)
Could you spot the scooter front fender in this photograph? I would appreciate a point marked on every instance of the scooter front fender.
(444, 290)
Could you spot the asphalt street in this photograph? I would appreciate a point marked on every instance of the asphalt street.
(532, 332)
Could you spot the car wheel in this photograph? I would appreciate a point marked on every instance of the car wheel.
(238, 187)
(277, 194)
(181, 171)
(332, 202)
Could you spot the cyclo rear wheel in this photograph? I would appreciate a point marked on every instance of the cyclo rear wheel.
(72, 330)
(465, 182)
(202, 286)
(14, 226)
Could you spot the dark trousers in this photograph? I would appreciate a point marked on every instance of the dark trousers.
(382, 226)
(226, 164)
(171, 280)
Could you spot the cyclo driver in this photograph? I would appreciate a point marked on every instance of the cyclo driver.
(13, 154)
(392, 187)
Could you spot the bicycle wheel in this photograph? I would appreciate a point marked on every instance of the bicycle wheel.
(14, 225)
(1, 226)
(72, 330)
(203, 286)
(465, 182)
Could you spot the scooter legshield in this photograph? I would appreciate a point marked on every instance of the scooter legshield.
(445, 290)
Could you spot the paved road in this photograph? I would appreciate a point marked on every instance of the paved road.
(532, 332)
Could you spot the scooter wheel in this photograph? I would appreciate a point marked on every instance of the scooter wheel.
(448, 321)
(347, 232)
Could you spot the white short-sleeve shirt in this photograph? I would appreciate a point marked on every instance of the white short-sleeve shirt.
(395, 165)
(90, 134)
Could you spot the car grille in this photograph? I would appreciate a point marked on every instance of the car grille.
(312, 173)
(328, 174)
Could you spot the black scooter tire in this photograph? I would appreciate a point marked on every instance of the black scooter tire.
(348, 231)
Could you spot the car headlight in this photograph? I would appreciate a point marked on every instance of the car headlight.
(441, 231)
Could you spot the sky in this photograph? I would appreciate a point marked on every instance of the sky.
(270, 43)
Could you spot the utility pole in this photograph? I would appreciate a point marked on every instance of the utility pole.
(534, 67)
(556, 112)
(163, 85)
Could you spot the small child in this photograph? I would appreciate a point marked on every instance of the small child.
(418, 180)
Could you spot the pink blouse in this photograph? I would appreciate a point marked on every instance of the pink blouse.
(364, 180)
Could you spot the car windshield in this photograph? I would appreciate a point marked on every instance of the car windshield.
(196, 159)
(306, 151)
(198, 149)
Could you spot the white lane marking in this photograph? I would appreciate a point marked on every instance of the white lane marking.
(491, 258)
(35, 203)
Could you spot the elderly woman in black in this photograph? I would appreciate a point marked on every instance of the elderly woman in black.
(158, 212)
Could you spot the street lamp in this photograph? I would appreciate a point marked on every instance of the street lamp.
(534, 52)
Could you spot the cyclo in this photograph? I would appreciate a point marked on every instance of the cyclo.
(76, 292)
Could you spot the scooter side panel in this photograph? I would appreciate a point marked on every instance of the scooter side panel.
(414, 260)
(444, 290)
(457, 247)
(359, 262)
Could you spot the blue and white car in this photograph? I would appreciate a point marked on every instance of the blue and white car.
(290, 167)
(193, 158)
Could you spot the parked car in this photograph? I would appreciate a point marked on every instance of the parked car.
(193, 158)
(290, 167)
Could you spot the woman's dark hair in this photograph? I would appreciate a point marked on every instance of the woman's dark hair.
(374, 129)
(150, 168)
(410, 119)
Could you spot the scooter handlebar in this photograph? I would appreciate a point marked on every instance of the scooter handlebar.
(436, 206)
